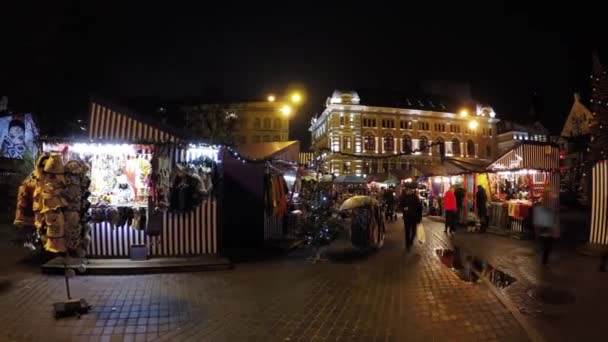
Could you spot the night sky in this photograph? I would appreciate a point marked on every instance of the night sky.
(56, 55)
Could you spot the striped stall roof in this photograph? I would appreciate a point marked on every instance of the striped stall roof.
(183, 234)
(107, 123)
(305, 158)
(599, 204)
(528, 156)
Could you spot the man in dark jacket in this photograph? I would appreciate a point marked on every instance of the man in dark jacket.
(412, 214)
(482, 209)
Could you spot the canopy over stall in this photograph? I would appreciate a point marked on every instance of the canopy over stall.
(255, 192)
(523, 177)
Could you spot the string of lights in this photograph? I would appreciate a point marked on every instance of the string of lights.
(389, 156)
(599, 109)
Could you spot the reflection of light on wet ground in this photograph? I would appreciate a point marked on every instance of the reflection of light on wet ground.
(469, 267)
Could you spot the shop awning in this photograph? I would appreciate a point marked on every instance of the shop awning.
(528, 155)
(283, 150)
(451, 167)
(393, 174)
(468, 165)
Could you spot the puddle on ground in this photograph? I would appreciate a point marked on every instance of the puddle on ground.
(469, 267)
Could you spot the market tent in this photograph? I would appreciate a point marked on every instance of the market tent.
(283, 150)
(467, 165)
(446, 169)
(528, 155)
(397, 174)
(349, 179)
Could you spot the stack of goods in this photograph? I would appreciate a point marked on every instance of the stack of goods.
(190, 184)
(160, 184)
(119, 216)
(275, 195)
(54, 200)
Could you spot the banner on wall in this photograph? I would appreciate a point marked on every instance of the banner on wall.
(17, 135)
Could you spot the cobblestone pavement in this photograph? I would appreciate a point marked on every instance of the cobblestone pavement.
(389, 295)
(577, 275)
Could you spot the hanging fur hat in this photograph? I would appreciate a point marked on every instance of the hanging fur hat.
(39, 167)
(54, 164)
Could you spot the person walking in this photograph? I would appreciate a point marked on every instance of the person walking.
(389, 203)
(450, 208)
(412, 214)
(482, 209)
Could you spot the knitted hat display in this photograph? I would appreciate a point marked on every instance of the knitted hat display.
(55, 245)
(39, 166)
(38, 219)
(54, 164)
(55, 222)
(51, 203)
(72, 230)
(111, 215)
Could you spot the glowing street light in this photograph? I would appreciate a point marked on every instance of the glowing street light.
(296, 98)
(271, 98)
(286, 110)
(473, 124)
(464, 113)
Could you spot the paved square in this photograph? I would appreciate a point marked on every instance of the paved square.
(389, 295)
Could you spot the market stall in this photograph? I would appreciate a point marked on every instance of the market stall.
(453, 172)
(524, 177)
(146, 200)
(258, 183)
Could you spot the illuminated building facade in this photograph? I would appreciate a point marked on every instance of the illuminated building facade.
(353, 130)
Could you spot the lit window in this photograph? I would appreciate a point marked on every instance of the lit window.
(369, 143)
(389, 143)
(346, 143)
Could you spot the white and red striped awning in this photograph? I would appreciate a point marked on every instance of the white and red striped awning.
(112, 123)
(539, 156)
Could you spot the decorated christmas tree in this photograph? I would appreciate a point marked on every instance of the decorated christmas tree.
(598, 146)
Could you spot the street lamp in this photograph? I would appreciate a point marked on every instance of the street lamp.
(286, 110)
(296, 98)
(271, 98)
(473, 124)
(464, 113)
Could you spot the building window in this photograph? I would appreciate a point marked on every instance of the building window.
(424, 144)
(405, 124)
(277, 124)
(423, 126)
(342, 121)
(256, 138)
(369, 122)
(266, 123)
(440, 127)
(470, 148)
(257, 123)
(488, 151)
(346, 168)
(276, 138)
(456, 147)
(388, 143)
(455, 128)
(241, 123)
(369, 143)
(266, 138)
(387, 123)
(490, 130)
(438, 146)
(406, 144)
(346, 143)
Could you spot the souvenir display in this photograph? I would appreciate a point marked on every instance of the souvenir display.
(190, 183)
(54, 200)
(275, 195)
